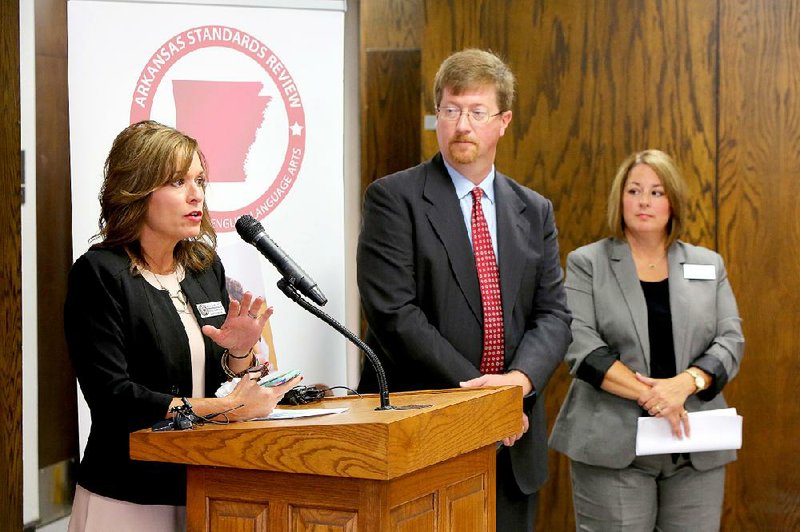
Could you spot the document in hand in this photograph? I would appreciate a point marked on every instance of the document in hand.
(712, 430)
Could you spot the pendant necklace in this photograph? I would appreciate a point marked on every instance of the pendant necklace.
(650, 265)
(178, 298)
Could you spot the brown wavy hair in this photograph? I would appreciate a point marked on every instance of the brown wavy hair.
(144, 157)
(674, 187)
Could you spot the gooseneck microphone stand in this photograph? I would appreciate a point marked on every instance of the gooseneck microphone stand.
(292, 293)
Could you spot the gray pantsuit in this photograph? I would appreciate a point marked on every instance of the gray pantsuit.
(650, 494)
(614, 490)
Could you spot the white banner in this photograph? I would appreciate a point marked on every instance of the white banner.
(262, 91)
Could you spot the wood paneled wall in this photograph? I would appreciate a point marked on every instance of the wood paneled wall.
(759, 236)
(389, 102)
(715, 84)
(391, 114)
(10, 273)
(58, 410)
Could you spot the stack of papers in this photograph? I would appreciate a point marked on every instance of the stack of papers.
(712, 430)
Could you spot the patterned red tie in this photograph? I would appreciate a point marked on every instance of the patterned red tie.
(489, 281)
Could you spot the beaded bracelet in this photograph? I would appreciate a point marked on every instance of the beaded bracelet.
(228, 371)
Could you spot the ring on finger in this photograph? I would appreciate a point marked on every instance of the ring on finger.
(252, 315)
(658, 409)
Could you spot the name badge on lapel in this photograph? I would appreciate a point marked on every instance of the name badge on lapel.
(211, 309)
(703, 272)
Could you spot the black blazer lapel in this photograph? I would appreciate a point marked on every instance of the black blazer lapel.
(447, 221)
(204, 288)
(198, 293)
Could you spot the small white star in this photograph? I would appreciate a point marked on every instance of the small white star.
(296, 128)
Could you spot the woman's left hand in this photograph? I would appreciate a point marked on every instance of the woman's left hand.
(243, 325)
(665, 398)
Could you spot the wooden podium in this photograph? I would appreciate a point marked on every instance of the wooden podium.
(421, 469)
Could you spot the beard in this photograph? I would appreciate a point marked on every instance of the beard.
(463, 154)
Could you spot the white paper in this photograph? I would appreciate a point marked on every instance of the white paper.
(280, 413)
(712, 430)
(226, 387)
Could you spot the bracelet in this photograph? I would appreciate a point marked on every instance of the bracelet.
(249, 353)
(228, 371)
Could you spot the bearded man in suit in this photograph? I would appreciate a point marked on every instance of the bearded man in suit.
(460, 276)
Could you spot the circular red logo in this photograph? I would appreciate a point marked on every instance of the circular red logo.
(225, 115)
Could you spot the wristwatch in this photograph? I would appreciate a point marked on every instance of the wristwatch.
(699, 381)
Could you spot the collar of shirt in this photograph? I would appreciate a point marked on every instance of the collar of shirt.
(464, 188)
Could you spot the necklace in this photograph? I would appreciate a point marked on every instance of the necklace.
(652, 265)
(178, 298)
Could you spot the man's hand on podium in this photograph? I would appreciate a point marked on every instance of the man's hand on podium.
(511, 440)
(512, 378)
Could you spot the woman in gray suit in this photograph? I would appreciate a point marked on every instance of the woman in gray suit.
(655, 332)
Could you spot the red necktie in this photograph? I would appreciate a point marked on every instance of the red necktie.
(489, 281)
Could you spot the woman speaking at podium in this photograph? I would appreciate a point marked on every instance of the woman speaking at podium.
(150, 328)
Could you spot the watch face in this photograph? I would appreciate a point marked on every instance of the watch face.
(699, 382)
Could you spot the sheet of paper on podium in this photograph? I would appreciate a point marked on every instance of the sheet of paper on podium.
(283, 413)
(712, 430)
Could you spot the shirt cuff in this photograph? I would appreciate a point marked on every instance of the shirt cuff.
(594, 367)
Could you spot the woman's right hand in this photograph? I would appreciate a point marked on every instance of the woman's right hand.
(666, 398)
(256, 400)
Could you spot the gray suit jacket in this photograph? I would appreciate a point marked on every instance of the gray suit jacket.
(420, 295)
(604, 294)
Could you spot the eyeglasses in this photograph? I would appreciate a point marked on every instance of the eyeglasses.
(477, 116)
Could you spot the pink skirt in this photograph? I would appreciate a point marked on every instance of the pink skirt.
(95, 513)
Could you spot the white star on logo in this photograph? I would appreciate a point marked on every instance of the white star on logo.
(296, 129)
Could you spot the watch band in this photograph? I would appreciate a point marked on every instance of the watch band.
(699, 381)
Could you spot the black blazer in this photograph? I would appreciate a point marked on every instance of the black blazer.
(131, 356)
(419, 291)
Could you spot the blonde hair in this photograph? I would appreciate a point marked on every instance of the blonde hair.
(674, 187)
(472, 68)
(144, 157)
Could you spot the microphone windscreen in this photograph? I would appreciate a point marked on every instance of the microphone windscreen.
(248, 228)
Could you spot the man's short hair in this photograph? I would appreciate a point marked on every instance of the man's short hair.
(472, 68)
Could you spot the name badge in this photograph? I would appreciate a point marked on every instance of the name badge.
(703, 272)
(208, 310)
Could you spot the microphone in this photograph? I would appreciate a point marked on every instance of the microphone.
(253, 232)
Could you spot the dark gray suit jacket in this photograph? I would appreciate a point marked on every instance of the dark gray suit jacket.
(604, 293)
(419, 291)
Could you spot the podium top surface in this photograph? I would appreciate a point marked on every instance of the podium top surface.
(358, 443)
